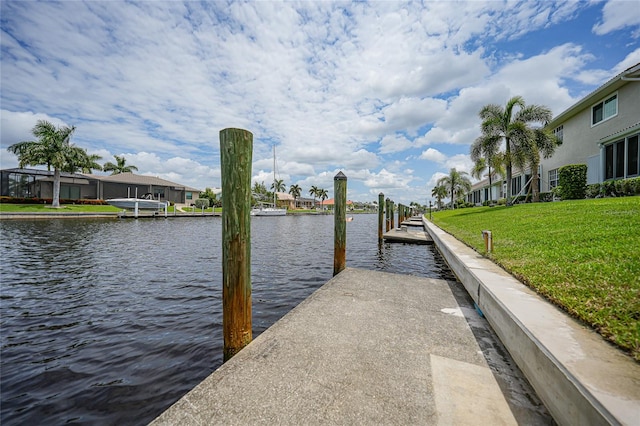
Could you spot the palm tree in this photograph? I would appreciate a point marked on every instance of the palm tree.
(511, 126)
(457, 182)
(323, 195)
(119, 167)
(92, 164)
(52, 148)
(79, 161)
(440, 192)
(545, 143)
(485, 153)
(278, 185)
(314, 192)
(295, 191)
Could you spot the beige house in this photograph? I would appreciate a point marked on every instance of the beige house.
(601, 131)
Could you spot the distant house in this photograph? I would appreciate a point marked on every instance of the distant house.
(328, 204)
(601, 130)
(31, 183)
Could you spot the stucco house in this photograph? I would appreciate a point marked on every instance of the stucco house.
(601, 130)
(30, 183)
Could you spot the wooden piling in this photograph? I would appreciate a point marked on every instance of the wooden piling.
(388, 219)
(236, 149)
(391, 207)
(340, 223)
(380, 216)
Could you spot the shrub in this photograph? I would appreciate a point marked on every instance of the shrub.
(593, 190)
(502, 201)
(572, 179)
(202, 203)
(545, 197)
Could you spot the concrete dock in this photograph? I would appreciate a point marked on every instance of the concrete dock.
(377, 348)
(368, 348)
(411, 231)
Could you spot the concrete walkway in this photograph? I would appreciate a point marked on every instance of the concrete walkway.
(368, 348)
(582, 379)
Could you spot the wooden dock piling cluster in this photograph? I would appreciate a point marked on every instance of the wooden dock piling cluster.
(386, 223)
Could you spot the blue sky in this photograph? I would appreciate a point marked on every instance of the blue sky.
(387, 92)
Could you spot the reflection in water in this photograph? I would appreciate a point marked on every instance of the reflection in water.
(110, 322)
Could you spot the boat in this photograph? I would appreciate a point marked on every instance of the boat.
(146, 202)
(267, 209)
(349, 219)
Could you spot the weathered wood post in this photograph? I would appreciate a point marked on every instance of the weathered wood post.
(340, 223)
(386, 209)
(380, 216)
(391, 207)
(236, 149)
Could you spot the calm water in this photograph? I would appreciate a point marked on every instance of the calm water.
(111, 321)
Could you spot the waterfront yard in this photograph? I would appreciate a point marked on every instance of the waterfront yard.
(582, 255)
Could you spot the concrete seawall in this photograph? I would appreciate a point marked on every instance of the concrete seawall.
(582, 379)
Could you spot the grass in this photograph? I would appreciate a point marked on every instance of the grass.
(582, 255)
(42, 208)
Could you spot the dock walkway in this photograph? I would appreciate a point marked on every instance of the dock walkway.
(368, 348)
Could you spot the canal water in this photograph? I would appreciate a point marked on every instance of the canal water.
(111, 321)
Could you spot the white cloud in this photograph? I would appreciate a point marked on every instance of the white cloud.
(433, 155)
(617, 15)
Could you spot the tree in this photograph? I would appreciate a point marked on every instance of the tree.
(323, 195)
(52, 149)
(210, 195)
(511, 125)
(440, 192)
(119, 167)
(544, 142)
(278, 186)
(485, 153)
(314, 192)
(456, 183)
(79, 161)
(295, 191)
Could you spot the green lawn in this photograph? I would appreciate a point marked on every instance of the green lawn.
(582, 255)
(42, 208)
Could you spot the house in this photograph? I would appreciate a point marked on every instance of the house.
(328, 204)
(601, 130)
(34, 183)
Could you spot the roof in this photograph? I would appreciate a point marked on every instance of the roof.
(283, 196)
(141, 180)
(331, 202)
(630, 74)
(40, 172)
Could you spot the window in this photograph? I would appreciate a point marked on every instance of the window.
(604, 110)
(558, 133)
(619, 154)
(632, 156)
(516, 185)
(189, 195)
(553, 179)
(608, 161)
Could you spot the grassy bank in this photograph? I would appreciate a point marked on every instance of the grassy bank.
(42, 208)
(582, 255)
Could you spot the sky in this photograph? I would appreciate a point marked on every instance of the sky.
(387, 92)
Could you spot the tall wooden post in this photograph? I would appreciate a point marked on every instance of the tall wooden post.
(236, 149)
(340, 223)
(380, 216)
(391, 207)
(387, 209)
